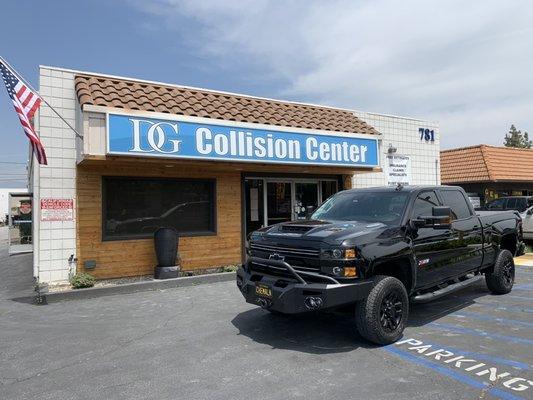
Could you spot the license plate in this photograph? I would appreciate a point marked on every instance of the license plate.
(263, 291)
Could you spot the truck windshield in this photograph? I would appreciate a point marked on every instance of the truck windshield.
(385, 207)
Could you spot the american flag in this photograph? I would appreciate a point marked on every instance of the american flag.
(26, 102)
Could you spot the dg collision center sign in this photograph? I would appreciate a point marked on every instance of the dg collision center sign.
(183, 138)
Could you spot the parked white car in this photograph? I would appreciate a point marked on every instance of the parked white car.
(527, 223)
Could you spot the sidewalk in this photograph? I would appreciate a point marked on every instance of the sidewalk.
(16, 272)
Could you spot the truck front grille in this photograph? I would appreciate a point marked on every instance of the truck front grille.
(285, 251)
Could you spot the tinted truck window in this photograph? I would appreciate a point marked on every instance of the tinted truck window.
(496, 204)
(424, 204)
(457, 202)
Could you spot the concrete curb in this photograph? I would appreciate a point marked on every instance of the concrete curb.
(135, 287)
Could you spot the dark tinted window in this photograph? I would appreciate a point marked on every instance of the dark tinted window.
(497, 204)
(424, 204)
(512, 203)
(137, 207)
(521, 204)
(386, 207)
(457, 202)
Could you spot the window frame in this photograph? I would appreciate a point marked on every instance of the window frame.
(214, 220)
(468, 204)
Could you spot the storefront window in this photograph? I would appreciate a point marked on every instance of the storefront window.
(329, 188)
(136, 207)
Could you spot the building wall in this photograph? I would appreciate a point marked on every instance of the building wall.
(54, 242)
(488, 191)
(137, 257)
(403, 134)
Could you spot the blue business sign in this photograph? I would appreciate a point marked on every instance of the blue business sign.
(139, 136)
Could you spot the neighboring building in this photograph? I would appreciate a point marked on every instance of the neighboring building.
(489, 171)
(214, 165)
(4, 200)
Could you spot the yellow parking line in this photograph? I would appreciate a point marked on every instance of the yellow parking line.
(526, 260)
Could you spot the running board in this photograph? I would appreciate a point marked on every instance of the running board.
(437, 294)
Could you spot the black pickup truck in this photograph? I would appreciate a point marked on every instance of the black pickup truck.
(380, 249)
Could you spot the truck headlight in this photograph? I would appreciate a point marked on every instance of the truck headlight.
(336, 253)
(347, 272)
(339, 254)
(350, 254)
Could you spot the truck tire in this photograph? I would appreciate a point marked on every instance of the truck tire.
(501, 279)
(381, 317)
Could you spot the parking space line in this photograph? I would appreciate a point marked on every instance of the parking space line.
(518, 297)
(491, 318)
(468, 331)
(527, 286)
(450, 373)
(517, 309)
(514, 309)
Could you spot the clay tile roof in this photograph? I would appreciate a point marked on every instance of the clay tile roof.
(122, 93)
(484, 163)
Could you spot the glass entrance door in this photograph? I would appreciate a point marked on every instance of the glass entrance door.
(269, 201)
(279, 202)
(254, 205)
(305, 199)
(20, 223)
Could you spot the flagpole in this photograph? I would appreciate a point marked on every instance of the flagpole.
(38, 94)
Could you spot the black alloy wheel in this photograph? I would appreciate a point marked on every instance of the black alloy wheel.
(391, 311)
(500, 279)
(508, 272)
(381, 317)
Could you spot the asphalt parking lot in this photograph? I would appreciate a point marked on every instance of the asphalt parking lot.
(204, 342)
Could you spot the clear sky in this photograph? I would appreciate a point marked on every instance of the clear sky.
(467, 65)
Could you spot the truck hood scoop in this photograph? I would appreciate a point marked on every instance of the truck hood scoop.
(298, 227)
(323, 229)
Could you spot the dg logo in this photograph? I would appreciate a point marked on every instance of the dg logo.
(150, 136)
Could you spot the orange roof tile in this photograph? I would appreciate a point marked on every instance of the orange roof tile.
(134, 95)
(485, 163)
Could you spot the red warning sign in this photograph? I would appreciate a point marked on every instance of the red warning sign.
(57, 209)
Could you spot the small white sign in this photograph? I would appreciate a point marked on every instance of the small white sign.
(57, 209)
(398, 169)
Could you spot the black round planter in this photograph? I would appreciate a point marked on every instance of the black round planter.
(166, 248)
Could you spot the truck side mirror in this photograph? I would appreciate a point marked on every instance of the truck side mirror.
(441, 218)
(530, 211)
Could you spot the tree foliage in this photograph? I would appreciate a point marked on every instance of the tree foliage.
(516, 138)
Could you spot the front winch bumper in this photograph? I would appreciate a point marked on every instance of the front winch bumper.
(296, 294)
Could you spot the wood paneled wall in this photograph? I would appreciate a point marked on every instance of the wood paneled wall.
(123, 258)
(137, 257)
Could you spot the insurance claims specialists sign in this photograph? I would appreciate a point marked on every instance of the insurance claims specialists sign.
(190, 138)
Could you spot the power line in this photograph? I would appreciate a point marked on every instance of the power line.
(12, 162)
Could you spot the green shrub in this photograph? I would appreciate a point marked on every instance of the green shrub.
(230, 268)
(84, 280)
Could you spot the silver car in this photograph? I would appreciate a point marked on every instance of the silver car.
(527, 223)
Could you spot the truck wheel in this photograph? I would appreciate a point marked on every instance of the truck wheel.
(381, 317)
(501, 279)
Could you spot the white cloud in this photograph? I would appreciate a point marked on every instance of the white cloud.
(466, 64)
